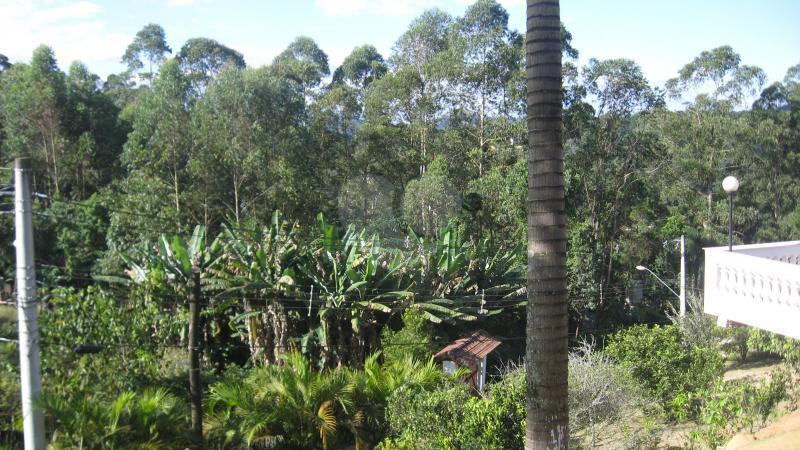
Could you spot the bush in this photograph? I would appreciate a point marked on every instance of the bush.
(134, 333)
(9, 373)
(666, 367)
(414, 339)
(737, 342)
(599, 390)
(152, 419)
(449, 418)
(786, 348)
(430, 419)
(696, 327)
(731, 406)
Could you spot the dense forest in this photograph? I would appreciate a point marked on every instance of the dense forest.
(329, 208)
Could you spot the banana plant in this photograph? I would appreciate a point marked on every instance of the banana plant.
(163, 272)
(172, 259)
(458, 275)
(356, 281)
(255, 276)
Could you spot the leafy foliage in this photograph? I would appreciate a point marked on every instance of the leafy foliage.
(298, 407)
(666, 367)
(150, 420)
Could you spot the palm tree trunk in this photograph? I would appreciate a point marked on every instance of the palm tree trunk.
(546, 351)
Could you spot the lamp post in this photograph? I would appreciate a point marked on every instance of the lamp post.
(680, 296)
(731, 185)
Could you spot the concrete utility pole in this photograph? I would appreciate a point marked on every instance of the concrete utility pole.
(683, 276)
(29, 360)
(195, 389)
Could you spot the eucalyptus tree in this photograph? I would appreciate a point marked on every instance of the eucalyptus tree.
(203, 59)
(705, 142)
(361, 67)
(547, 418)
(121, 89)
(32, 103)
(717, 78)
(149, 45)
(487, 56)
(160, 143)
(302, 62)
(95, 135)
(229, 127)
(430, 202)
(413, 94)
(774, 158)
(365, 172)
(610, 155)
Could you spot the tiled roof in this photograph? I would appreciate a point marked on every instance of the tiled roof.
(477, 345)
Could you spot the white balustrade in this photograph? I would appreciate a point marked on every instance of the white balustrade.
(756, 285)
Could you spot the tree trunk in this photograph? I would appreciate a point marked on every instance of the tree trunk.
(546, 350)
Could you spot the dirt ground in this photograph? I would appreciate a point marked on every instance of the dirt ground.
(781, 433)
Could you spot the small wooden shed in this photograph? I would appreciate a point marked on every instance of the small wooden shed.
(470, 352)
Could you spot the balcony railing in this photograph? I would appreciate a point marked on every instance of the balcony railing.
(756, 285)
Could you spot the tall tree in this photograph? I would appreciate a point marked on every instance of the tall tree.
(202, 60)
(304, 62)
(361, 67)
(149, 44)
(95, 135)
(487, 56)
(413, 95)
(160, 143)
(32, 103)
(547, 419)
(705, 141)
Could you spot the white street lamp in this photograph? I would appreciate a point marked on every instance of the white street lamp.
(731, 185)
(680, 296)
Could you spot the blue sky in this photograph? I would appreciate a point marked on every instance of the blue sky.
(659, 35)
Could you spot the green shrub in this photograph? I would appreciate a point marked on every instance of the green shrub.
(666, 367)
(697, 328)
(431, 419)
(9, 371)
(413, 339)
(299, 407)
(134, 331)
(153, 419)
(728, 407)
(449, 418)
(737, 341)
(787, 348)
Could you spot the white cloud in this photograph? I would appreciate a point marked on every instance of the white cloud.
(254, 55)
(71, 28)
(507, 4)
(382, 7)
(77, 10)
(179, 3)
(396, 7)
